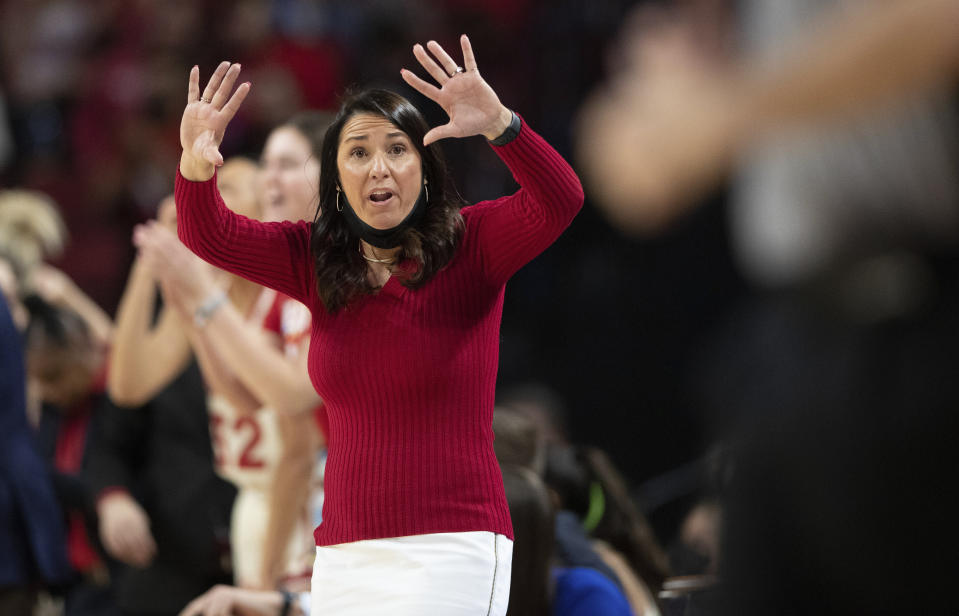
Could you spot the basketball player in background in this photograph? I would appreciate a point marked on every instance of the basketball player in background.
(248, 440)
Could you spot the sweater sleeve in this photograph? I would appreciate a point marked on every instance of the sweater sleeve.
(273, 254)
(511, 231)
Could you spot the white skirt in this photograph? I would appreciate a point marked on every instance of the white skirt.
(448, 574)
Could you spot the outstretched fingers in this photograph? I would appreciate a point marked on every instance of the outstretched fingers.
(444, 58)
(469, 60)
(440, 132)
(233, 105)
(427, 61)
(215, 80)
(193, 90)
(423, 87)
(226, 87)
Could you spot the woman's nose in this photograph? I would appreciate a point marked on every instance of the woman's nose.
(379, 168)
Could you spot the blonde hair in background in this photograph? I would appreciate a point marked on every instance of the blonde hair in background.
(31, 228)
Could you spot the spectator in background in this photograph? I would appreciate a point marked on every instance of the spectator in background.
(544, 408)
(542, 587)
(67, 367)
(592, 492)
(32, 231)
(835, 398)
(617, 526)
(65, 352)
(520, 447)
(533, 514)
(32, 538)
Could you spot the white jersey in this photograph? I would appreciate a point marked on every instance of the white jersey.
(246, 447)
(247, 450)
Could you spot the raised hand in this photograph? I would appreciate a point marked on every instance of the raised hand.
(205, 119)
(471, 104)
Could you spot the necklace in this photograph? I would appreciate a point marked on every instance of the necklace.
(375, 260)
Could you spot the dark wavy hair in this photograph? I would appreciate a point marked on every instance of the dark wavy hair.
(341, 271)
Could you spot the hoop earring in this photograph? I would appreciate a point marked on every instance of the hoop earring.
(426, 187)
(339, 208)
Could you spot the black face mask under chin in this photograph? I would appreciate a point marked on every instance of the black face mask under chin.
(382, 238)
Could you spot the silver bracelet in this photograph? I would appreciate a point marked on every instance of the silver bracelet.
(206, 310)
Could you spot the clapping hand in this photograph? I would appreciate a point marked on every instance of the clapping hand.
(185, 279)
(205, 119)
(470, 102)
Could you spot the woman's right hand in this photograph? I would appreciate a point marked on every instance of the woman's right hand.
(205, 119)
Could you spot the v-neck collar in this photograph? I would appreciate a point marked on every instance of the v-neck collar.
(393, 287)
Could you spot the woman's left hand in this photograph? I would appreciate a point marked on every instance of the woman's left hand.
(471, 104)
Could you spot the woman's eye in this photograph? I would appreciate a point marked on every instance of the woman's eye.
(397, 150)
(358, 153)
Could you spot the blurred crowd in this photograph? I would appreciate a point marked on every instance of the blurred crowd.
(738, 362)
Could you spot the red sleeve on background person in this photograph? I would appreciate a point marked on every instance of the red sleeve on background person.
(72, 437)
(68, 457)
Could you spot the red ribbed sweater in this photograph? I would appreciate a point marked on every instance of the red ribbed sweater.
(407, 376)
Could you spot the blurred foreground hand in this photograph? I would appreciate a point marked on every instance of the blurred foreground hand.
(125, 530)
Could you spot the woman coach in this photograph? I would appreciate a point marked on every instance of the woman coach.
(406, 290)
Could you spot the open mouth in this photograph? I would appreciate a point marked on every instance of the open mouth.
(381, 196)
